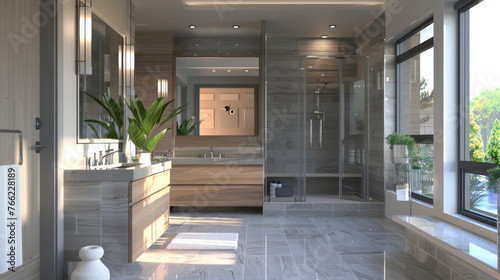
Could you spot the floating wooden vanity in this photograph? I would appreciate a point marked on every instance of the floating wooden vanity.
(123, 209)
(203, 182)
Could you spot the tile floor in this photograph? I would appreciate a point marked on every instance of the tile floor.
(344, 240)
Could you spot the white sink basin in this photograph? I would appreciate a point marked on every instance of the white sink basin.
(120, 165)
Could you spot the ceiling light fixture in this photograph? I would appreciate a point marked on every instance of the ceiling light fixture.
(192, 26)
(228, 70)
(332, 26)
(286, 2)
(214, 70)
(236, 26)
(324, 36)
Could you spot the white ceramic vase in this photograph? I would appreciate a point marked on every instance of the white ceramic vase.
(91, 267)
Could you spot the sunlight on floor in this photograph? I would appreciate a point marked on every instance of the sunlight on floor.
(189, 257)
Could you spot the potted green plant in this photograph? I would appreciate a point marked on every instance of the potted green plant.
(402, 147)
(144, 127)
(113, 123)
(187, 126)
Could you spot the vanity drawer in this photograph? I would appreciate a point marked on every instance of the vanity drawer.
(148, 220)
(142, 188)
(204, 174)
(216, 195)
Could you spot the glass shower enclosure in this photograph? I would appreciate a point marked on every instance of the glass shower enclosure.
(315, 112)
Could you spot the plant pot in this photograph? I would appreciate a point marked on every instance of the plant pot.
(416, 181)
(399, 154)
(144, 157)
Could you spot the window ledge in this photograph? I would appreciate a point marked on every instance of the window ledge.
(473, 222)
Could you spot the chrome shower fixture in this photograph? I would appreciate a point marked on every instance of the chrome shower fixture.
(320, 90)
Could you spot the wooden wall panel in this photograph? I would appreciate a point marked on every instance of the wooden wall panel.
(153, 61)
(19, 106)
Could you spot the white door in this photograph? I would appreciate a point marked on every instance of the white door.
(19, 107)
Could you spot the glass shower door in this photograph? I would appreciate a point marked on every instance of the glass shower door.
(352, 133)
(285, 121)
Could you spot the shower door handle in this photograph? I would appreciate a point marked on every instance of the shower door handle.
(311, 133)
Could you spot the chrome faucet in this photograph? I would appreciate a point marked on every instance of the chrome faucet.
(105, 156)
(211, 152)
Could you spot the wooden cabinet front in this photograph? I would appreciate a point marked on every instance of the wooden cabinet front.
(217, 185)
(149, 211)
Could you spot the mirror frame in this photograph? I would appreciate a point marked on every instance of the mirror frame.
(121, 87)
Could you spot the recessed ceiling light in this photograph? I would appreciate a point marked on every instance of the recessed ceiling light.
(324, 36)
(236, 26)
(246, 70)
(332, 26)
(229, 70)
(192, 26)
(214, 70)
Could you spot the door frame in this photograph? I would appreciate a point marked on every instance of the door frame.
(51, 235)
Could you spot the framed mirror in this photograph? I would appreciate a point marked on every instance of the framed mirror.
(100, 84)
(221, 93)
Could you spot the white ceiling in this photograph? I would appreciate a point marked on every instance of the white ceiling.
(215, 18)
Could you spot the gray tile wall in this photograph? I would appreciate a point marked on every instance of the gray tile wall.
(371, 45)
(389, 112)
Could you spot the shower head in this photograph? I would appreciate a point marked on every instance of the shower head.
(320, 90)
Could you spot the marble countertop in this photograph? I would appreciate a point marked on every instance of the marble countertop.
(116, 172)
(234, 161)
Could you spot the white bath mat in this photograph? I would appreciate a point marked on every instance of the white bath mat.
(204, 241)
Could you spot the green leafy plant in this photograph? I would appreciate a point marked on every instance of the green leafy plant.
(113, 123)
(416, 166)
(477, 191)
(401, 139)
(144, 125)
(187, 126)
(493, 176)
(493, 148)
(475, 141)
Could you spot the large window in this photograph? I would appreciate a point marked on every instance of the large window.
(415, 117)
(480, 107)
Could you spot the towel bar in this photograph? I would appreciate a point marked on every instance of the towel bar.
(20, 141)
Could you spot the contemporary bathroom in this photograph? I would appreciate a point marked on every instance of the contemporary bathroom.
(193, 139)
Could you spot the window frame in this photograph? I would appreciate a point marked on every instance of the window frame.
(466, 166)
(400, 58)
